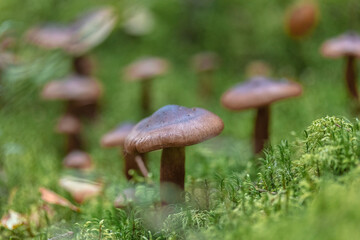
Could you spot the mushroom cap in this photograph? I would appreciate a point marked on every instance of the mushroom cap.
(91, 29)
(259, 91)
(347, 44)
(80, 189)
(146, 68)
(50, 36)
(301, 19)
(73, 87)
(68, 124)
(205, 61)
(116, 137)
(173, 126)
(78, 159)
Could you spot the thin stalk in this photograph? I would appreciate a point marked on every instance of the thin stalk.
(132, 162)
(261, 134)
(82, 65)
(145, 96)
(74, 142)
(350, 76)
(172, 175)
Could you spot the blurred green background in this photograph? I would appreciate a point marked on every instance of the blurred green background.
(239, 31)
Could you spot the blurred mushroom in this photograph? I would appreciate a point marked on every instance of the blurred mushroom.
(80, 93)
(88, 31)
(77, 159)
(50, 36)
(347, 46)
(145, 70)
(259, 93)
(116, 138)
(301, 19)
(80, 189)
(71, 127)
(172, 128)
(205, 64)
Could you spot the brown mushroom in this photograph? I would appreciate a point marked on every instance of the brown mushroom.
(172, 128)
(71, 127)
(116, 138)
(259, 93)
(347, 46)
(301, 19)
(77, 159)
(80, 92)
(145, 70)
(205, 64)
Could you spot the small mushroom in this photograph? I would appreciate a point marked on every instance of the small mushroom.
(79, 92)
(301, 19)
(259, 92)
(145, 70)
(50, 36)
(172, 128)
(116, 138)
(347, 46)
(205, 64)
(71, 127)
(77, 159)
(80, 189)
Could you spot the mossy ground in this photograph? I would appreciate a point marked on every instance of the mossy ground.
(304, 188)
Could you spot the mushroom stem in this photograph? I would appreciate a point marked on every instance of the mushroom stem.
(172, 175)
(350, 75)
(73, 143)
(145, 96)
(261, 134)
(132, 163)
(205, 86)
(82, 65)
(141, 165)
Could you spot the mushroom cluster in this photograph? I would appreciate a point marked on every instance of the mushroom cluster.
(76, 40)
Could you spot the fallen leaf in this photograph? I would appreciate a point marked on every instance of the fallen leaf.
(53, 198)
(12, 220)
(80, 189)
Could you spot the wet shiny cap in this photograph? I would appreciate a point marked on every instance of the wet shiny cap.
(146, 68)
(347, 44)
(68, 124)
(78, 159)
(73, 87)
(205, 61)
(116, 137)
(50, 36)
(173, 126)
(259, 91)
